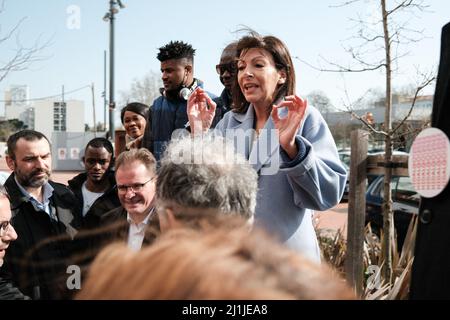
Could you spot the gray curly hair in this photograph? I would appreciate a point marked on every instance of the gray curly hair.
(206, 173)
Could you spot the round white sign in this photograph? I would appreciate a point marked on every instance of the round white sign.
(428, 163)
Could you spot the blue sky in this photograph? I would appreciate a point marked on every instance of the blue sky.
(310, 29)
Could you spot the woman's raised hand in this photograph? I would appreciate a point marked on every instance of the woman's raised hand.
(289, 125)
(201, 110)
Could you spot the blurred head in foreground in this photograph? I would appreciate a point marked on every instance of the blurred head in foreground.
(218, 263)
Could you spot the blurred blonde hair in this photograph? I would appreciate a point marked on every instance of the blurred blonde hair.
(213, 263)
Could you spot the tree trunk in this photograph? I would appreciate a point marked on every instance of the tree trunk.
(387, 204)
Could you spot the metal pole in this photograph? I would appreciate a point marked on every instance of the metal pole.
(104, 91)
(93, 109)
(111, 70)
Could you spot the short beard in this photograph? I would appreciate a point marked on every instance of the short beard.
(29, 181)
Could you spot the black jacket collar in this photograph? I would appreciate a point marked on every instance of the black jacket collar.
(17, 198)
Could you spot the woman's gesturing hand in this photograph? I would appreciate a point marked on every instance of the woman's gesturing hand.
(289, 125)
(201, 110)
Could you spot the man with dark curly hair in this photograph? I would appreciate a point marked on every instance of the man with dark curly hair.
(168, 111)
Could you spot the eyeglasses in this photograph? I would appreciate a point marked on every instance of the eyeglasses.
(137, 187)
(4, 226)
(230, 67)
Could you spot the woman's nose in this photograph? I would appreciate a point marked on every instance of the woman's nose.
(248, 72)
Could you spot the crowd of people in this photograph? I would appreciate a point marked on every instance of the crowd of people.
(208, 187)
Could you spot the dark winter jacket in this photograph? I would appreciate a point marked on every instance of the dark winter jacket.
(9, 292)
(117, 220)
(166, 115)
(108, 201)
(40, 271)
(430, 271)
(224, 104)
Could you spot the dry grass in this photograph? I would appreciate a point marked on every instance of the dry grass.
(333, 248)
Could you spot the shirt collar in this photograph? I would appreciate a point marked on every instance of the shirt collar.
(144, 222)
(46, 195)
(248, 115)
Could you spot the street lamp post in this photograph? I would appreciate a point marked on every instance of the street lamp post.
(109, 16)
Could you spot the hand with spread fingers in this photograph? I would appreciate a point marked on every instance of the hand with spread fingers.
(290, 124)
(201, 110)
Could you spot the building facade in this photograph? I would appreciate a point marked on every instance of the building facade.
(57, 116)
(17, 105)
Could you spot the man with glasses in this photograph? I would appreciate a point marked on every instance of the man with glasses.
(136, 178)
(227, 72)
(7, 235)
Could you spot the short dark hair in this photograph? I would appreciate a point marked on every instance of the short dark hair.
(101, 143)
(28, 135)
(135, 107)
(282, 59)
(176, 50)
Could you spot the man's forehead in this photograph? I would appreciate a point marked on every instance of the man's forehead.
(174, 63)
(228, 55)
(32, 147)
(134, 168)
(5, 211)
(23, 143)
(100, 152)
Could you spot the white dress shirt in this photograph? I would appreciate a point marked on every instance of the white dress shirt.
(136, 232)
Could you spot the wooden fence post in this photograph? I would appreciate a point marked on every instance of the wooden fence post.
(119, 142)
(356, 210)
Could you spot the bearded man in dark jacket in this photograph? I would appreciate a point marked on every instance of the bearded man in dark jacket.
(45, 216)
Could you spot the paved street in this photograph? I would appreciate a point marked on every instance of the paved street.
(333, 219)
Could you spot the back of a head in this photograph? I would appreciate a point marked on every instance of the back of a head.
(206, 173)
(190, 264)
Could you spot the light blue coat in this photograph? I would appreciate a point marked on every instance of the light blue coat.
(289, 191)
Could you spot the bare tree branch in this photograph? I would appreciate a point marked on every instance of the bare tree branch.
(339, 69)
(368, 125)
(408, 4)
(389, 37)
(144, 89)
(350, 110)
(426, 82)
(344, 4)
(23, 56)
